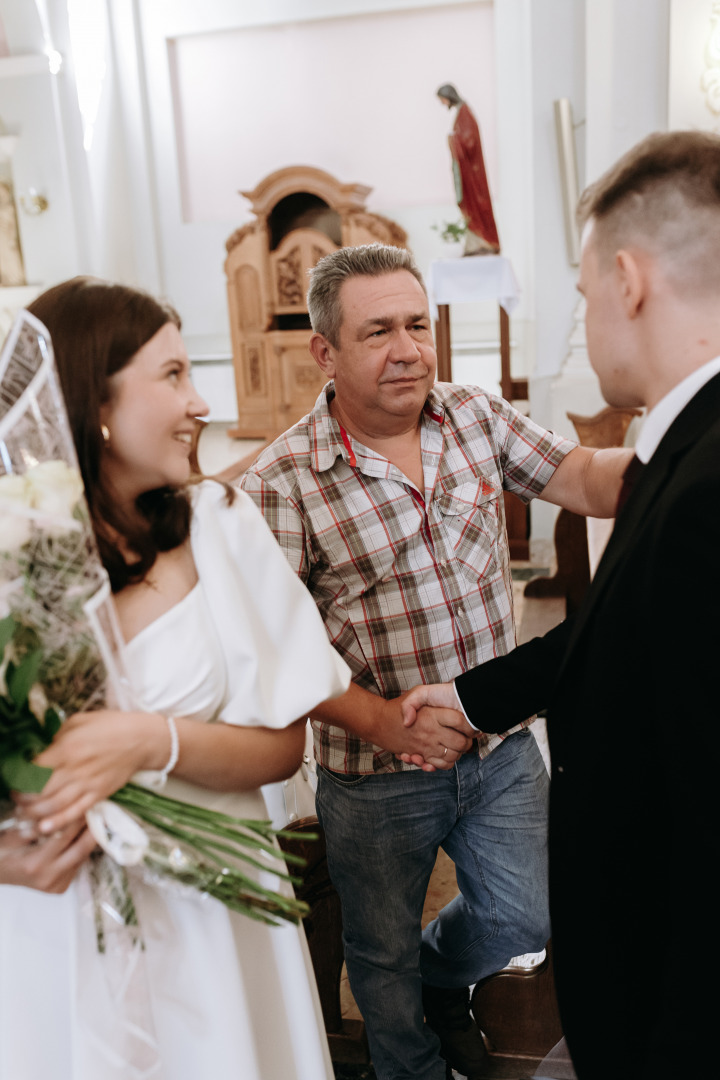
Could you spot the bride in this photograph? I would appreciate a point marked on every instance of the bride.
(226, 656)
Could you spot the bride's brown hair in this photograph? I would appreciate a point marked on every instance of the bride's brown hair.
(96, 328)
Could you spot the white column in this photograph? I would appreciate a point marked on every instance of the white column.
(625, 66)
(626, 81)
(626, 76)
(599, 84)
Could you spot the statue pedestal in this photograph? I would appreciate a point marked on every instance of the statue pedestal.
(466, 280)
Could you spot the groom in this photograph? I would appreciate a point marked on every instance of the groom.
(631, 685)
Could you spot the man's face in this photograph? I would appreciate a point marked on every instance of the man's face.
(607, 327)
(384, 366)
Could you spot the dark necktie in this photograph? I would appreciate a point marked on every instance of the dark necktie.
(629, 480)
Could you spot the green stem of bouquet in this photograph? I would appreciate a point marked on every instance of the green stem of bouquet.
(140, 799)
(207, 833)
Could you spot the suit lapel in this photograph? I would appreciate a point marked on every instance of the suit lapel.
(688, 428)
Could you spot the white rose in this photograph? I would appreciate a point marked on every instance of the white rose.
(14, 525)
(14, 489)
(55, 488)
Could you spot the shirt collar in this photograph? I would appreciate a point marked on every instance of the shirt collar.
(326, 442)
(326, 438)
(660, 418)
(434, 407)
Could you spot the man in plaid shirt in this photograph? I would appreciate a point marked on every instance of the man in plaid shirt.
(387, 500)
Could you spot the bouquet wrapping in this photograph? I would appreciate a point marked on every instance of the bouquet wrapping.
(61, 653)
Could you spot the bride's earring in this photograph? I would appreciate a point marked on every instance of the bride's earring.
(105, 432)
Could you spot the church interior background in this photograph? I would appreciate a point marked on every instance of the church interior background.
(129, 129)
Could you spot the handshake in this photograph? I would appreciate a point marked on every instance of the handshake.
(435, 726)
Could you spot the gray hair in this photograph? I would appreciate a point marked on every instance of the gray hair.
(329, 274)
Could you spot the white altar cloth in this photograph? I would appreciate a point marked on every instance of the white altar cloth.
(473, 278)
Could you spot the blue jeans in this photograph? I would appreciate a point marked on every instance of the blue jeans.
(383, 832)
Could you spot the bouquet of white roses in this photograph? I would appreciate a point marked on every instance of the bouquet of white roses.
(60, 653)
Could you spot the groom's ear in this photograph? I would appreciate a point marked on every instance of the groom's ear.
(631, 272)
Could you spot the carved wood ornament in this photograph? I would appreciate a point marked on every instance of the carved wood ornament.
(302, 213)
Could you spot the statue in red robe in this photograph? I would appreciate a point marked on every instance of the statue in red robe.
(471, 186)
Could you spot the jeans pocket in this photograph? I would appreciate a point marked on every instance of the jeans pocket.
(343, 780)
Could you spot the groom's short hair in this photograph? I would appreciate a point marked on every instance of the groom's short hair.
(663, 196)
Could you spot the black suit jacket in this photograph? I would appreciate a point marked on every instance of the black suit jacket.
(631, 690)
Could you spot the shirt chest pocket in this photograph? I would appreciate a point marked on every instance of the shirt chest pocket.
(471, 518)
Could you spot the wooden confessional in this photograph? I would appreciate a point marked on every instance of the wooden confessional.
(301, 214)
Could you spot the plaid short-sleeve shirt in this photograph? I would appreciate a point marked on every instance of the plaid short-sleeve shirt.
(413, 587)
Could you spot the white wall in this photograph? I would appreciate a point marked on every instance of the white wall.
(694, 76)
(627, 53)
(122, 212)
(622, 83)
(116, 207)
(352, 95)
(374, 42)
(557, 72)
(117, 210)
(34, 106)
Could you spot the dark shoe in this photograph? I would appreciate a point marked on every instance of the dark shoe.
(447, 1012)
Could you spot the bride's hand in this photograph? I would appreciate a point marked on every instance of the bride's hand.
(48, 863)
(93, 755)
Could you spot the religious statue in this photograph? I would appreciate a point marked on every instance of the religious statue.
(471, 186)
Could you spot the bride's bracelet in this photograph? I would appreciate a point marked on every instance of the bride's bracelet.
(174, 751)
(157, 778)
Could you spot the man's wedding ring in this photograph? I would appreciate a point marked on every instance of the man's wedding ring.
(445, 751)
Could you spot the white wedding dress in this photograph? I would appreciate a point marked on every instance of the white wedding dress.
(213, 993)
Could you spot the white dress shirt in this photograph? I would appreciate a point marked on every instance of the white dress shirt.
(668, 408)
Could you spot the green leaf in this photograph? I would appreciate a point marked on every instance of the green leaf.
(22, 775)
(51, 724)
(21, 679)
(7, 629)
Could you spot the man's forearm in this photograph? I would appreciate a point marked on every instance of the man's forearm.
(603, 480)
(588, 481)
(357, 711)
(380, 722)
